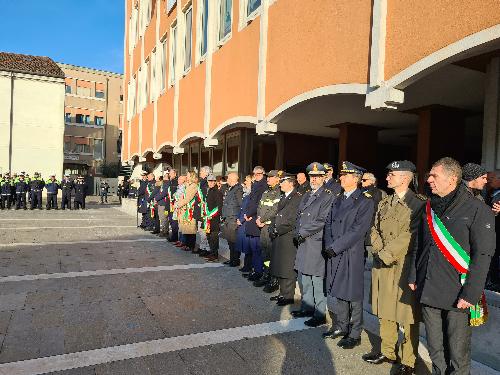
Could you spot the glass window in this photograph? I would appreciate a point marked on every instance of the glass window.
(204, 28)
(87, 119)
(153, 76)
(99, 120)
(67, 117)
(99, 94)
(217, 156)
(170, 5)
(82, 149)
(232, 152)
(195, 157)
(67, 146)
(184, 163)
(188, 40)
(225, 18)
(68, 89)
(173, 54)
(98, 151)
(252, 6)
(163, 77)
(205, 156)
(79, 118)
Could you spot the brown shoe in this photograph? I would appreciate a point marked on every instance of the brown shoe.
(212, 258)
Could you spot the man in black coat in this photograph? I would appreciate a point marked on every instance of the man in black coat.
(212, 218)
(449, 276)
(282, 232)
(303, 185)
(80, 193)
(67, 187)
(163, 205)
(252, 231)
(330, 182)
(22, 188)
(349, 220)
(231, 207)
(172, 188)
(142, 206)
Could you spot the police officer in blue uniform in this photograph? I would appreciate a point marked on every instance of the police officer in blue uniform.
(67, 186)
(5, 186)
(348, 222)
(52, 186)
(330, 181)
(309, 262)
(37, 185)
(21, 190)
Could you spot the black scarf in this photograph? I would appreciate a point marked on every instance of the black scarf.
(440, 204)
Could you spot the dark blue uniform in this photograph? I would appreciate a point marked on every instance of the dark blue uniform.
(67, 187)
(22, 188)
(37, 185)
(52, 188)
(5, 186)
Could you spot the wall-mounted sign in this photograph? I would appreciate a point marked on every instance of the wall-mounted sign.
(71, 157)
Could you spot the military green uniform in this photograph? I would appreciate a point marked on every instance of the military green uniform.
(268, 206)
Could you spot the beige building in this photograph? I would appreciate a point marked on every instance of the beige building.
(31, 114)
(93, 107)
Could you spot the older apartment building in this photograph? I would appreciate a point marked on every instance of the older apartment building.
(234, 83)
(92, 114)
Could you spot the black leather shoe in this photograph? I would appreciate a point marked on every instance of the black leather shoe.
(334, 333)
(404, 370)
(203, 253)
(275, 298)
(227, 262)
(271, 286)
(234, 264)
(349, 343)
(285, 301)
(376, 358)
(245, 269)
(315, 322)
(302, 314)
(254, 276)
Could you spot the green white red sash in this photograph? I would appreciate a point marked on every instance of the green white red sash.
(207, 219)
(458, 258)
(149, 188)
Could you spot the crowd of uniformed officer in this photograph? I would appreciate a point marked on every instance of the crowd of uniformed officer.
(21, 191)
(316, 232)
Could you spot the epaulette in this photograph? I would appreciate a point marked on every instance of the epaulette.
(367, 194)
(328, 191)
(422, 197)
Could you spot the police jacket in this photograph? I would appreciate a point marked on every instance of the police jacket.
(80, 190)
(52, 186)
(5, 186)
(471, 223)
(268, 206)
(21, 187)
(304, 188)
(67, 185)
(104, 188)
(311, 216)
(37, 184)
(333, 186)
(232, 202)
(258, 188)
(214, 200)
(348, 222)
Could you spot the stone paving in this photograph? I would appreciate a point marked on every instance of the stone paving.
(50, 318)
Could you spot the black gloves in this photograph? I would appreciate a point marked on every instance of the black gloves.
(328, 253)
(298, 240)
(273, 233)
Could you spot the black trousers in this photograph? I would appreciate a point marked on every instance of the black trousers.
(104, 197)
(213, 242)
(348, 317)
(5, 202)
(36, 199)
(21, 201)
(287, 287)
(51, 201)
(449, 340)
(190, 240)
(234, 255)
(79, 203)
(66, 200)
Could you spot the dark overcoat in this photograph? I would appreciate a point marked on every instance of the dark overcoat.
(231, 209)
(258, 188)
(283, 250)
(472, 224)
(345, 230)
(313, 210)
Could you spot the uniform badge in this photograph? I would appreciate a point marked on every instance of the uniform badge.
(395, 164)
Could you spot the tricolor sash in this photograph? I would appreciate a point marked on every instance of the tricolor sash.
(458, 258)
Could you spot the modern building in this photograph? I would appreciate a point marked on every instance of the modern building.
(31, 114)
(234, 83)
(92, 114)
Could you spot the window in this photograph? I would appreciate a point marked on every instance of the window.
(170, 5)
(79, 118)
(225, 18)
(99, 94)
(153, 77)
(232, 152)
(82, 149)
(99, 121)
(195, 157)
(217, 156)
(68, 89)
(121, 97)
(252, 6)
(86, 119)
(98, 151)
(189, 39)
(204, 28)
(146, 84)
(173, 53)
(163, 75)
(205, 156)
(67, 117)
(67, 146)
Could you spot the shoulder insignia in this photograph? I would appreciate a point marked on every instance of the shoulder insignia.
(328, 191)
(422, 197)
(367, 194)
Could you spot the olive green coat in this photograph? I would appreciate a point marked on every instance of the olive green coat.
(187, 223)
(392, 239)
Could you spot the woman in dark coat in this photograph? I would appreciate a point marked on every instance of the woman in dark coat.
(283, 251)
(241, 240)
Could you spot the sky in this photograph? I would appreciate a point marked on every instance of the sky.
(80, 32)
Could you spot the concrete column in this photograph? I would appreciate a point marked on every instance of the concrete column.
(491, 124)
(441, 132)
(358, 144)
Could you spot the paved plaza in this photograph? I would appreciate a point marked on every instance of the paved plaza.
(86, 292)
